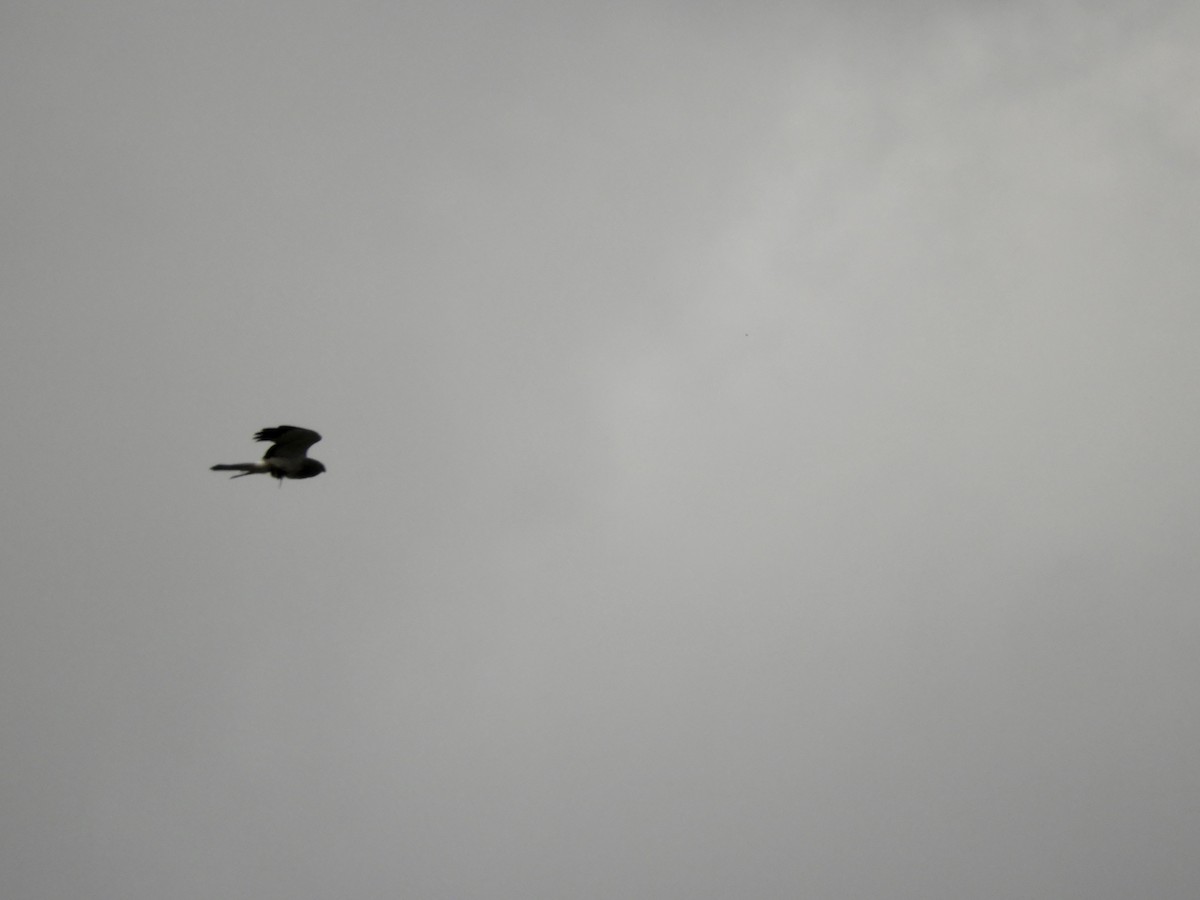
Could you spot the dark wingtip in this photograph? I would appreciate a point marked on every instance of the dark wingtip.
(271, 434)
(281, 432)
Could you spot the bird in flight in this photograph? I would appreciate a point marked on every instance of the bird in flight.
(287, 457)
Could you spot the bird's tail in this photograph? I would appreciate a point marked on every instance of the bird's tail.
(241, 468)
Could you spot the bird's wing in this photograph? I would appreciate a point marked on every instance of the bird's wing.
(291, 442)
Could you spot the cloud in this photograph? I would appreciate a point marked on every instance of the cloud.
(759, 444)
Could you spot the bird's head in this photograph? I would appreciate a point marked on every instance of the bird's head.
(310, 468)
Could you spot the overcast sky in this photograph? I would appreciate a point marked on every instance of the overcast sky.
(762, 442)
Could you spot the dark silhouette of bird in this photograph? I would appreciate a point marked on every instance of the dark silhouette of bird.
(287, 457)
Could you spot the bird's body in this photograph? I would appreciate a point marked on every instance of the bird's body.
(287, 457)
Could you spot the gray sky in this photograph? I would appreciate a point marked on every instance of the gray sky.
(761, 441)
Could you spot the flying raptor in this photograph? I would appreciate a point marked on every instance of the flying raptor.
(287, 457)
